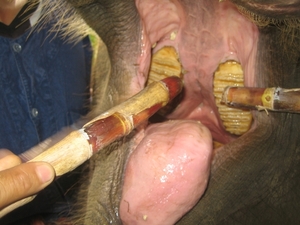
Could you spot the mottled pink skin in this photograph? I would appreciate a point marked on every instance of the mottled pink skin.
(167, 173)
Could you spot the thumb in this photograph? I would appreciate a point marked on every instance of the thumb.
(24, 180)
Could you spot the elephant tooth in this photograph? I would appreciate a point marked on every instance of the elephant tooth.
(235, 121)
(165, 63)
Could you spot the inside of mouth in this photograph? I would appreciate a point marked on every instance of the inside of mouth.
(209, 44)
(206, 41)
(166, 62)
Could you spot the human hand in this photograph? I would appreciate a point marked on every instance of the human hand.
(19, 180)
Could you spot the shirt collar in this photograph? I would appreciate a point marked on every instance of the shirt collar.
(25, 19)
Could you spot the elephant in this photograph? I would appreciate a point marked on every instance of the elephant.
(252, 178)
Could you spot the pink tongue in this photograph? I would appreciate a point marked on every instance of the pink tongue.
(167, 173)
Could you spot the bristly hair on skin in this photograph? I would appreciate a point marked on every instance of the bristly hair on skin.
(68, 23)
(289, 27)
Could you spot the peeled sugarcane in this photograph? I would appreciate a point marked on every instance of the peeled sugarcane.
(80, 145)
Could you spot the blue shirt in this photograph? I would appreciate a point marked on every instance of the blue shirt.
(44, 86)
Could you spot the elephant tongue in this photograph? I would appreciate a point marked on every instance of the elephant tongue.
(167, 173)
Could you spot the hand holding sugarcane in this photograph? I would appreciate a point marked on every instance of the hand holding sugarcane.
(21, 180)
(80, 145)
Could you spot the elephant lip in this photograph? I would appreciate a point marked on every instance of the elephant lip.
(203, 41)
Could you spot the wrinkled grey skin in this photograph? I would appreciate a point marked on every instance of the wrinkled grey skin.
(254, 180)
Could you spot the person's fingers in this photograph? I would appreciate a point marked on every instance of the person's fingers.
(8, 159)
(24, 180)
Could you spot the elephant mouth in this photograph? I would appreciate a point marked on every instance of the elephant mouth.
(175, 158)
(207, 42)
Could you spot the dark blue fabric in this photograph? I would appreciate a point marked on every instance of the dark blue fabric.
(44, 86)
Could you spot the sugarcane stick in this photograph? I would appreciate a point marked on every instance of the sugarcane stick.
(269, 99)
(80, 145)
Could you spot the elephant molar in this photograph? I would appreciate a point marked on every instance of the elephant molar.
(236, 121)
(164, 63)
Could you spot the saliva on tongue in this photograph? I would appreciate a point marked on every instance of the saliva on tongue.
(167, 173)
